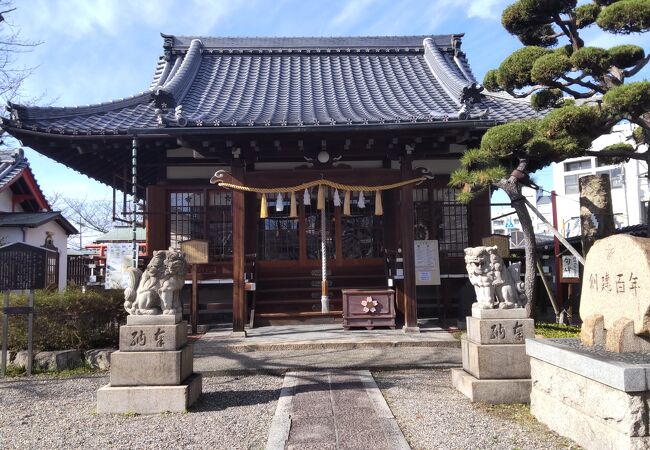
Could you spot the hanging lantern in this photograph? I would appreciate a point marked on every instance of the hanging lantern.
(361, 203)
(293, 208)
(306, 198)
(279, 203)
(263, 208)
(320, 202)
(379, 210)
(337, 198)
(346, 204)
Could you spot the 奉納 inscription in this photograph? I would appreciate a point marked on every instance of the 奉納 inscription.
(499, 332)
(138, 338)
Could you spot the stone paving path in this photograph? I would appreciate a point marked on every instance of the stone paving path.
(333, 410)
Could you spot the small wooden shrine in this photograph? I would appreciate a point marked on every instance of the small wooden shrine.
(345, 145)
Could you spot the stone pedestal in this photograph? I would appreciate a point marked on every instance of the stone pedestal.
(596, 398)
(153, 370)
(496, 368)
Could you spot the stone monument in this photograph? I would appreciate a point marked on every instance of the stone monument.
(153, 370)
(495, 366)
(596, 389)
(615, 310)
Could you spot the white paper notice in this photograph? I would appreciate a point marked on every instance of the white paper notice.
(427, 262)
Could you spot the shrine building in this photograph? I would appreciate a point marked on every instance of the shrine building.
(338, 147)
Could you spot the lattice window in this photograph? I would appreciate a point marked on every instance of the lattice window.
(278, 234)
(313, 228)
(187, 218)
(362, 234)
(219, 224)
(454, 232)
(190, 219)
(52, 270)
(423, 222)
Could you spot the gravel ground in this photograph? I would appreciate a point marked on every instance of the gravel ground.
(233, 413)
(434, 415)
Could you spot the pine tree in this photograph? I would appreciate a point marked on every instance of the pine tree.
(580, 90)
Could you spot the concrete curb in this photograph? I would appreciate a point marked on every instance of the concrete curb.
(334, 345)
(391, 430)
(281, 424)
(282, 372)
(620, 375)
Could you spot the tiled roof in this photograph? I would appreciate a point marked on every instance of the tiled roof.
(291, 82)
(35, 219)
(12, 163)
(13, 167)
(118, 234)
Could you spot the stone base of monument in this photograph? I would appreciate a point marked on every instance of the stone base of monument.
(594, 397)
(153, 370)
(496, 368)
(620, 338)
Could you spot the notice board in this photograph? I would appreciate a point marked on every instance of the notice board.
(427, 262)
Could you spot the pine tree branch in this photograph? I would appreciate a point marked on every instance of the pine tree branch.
(571, 92)
(617, 154)
(640, 65)
(526, 93)
(579, 81)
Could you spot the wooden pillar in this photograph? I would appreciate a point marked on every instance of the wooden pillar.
(194, 301)
(406, 244)
(157, 219)
(238, 251)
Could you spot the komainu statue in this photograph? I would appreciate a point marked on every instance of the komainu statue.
(496, 285)
(157, 290)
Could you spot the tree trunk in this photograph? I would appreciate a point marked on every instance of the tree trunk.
(647, 216)
(513, 189)
(596, 215)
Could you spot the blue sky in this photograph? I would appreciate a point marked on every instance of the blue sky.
(95, 51)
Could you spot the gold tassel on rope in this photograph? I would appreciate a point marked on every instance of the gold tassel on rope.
(379, 210)
(293, 210)
(346, 204)
(320, 202)
(263, 208)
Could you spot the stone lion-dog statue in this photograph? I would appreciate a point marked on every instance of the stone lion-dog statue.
(157, 289)
(496, 285)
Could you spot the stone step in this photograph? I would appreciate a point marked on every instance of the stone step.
(149, 399)
(491, 391)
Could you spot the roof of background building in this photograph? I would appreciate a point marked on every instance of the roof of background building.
(290, 82)
(12, 163)
(15, 167)
(35, 219)
(122, 234)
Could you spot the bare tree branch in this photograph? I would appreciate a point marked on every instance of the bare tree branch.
(90, 216)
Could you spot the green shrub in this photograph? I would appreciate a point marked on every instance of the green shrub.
(557, 330)
(625, 17)
(592, 60)
(514, 71)
(626, 55)
(70, 319)
(549, 68)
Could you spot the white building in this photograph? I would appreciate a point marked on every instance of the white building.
(629, 182)
(26, 216)
(506, 222)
